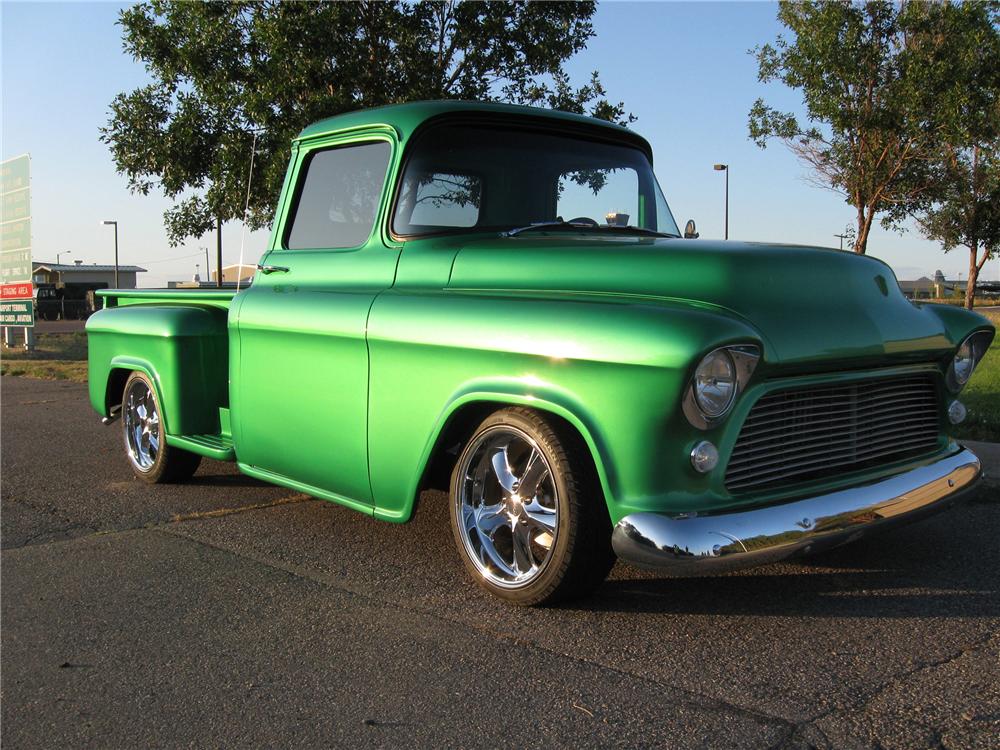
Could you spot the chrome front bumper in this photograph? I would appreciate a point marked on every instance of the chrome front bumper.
(715, 542)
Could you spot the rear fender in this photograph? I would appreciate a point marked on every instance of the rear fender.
(183, 351)
(118, 373)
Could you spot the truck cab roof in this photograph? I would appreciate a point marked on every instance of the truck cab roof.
(406, 119)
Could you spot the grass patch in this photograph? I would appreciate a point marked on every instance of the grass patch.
(982, 395)
(45, 369)
(66, 347)
(56, 356)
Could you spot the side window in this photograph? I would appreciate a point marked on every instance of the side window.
(437, 199)
(339, 196)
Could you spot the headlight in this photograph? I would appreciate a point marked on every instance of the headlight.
(963, 363)
(718, 379)
(968, 355)
(715, 384)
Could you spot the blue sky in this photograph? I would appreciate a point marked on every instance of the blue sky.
(681, 68)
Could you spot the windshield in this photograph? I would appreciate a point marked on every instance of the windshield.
(467, 177)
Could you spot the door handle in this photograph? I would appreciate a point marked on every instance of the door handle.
(272, 269)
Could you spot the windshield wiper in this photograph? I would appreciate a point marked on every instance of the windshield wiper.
(548, 225)
(640, 230)
(583, 225)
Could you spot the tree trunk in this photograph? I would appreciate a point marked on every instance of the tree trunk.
(974, 266)
(864, 228)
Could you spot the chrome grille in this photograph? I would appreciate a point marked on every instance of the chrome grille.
(800, 435)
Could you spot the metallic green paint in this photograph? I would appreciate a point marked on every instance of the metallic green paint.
(182, 349)
(346, 372)
(300, 383)
(218, 298)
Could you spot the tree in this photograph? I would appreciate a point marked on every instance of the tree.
(882, 92)
(966, 211)
(963, 206)
(224, 72)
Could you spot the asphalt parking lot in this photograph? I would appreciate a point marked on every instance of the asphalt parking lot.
(227, 612)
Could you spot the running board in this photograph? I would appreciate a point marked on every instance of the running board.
(116, 411)
(219, 447)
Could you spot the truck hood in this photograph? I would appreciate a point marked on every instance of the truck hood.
(809, 304)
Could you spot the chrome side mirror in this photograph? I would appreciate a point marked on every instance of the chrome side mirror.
(689, 230)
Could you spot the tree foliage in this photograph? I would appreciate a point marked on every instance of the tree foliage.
(224, 71)
(962, 208)
(966, 208)
(884, 87)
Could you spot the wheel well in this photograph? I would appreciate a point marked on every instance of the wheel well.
(451, 440)
(116, 386)
(458, 429)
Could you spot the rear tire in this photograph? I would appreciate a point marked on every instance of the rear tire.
(527, 511)
(151, 459)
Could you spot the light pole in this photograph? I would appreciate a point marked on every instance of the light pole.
(725, 168)
(208, 268)
(64, 252)
(106, 222)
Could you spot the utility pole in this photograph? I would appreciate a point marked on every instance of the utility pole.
(218, 252)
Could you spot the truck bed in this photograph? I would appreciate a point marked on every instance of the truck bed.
(218, 298)
(179, 339)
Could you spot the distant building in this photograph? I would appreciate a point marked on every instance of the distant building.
(941, 288)
(922, 288)
(230, 276)
(242, 273)
(67, 290)
(78, 274)
(937, 288)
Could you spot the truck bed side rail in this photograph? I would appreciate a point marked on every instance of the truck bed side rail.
(220, 298)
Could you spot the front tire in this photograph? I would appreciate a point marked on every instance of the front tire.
(151, 459)
(527, 511)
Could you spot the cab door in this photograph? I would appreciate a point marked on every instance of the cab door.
(300, 358)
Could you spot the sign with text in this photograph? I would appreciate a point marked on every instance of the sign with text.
(18, 312)
(22, 290)
(15, 235)
(15, 205)
(15, 265)
(15, 174)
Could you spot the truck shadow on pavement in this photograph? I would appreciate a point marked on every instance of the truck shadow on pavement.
(941, 567)
(888, 593)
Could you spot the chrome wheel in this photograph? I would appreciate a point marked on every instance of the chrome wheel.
(507, 506)
(142, 426)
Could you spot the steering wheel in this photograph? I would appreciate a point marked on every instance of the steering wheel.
(584, 220)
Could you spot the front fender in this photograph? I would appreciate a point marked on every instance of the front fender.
(530, 393)
(957, 321)
(614, 369)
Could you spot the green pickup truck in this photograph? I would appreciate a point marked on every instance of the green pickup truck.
(496, 301)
